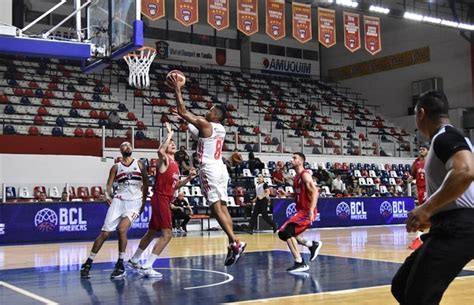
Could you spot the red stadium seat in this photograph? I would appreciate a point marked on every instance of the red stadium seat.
(3, 99)
(49, 94)
(103, 115)
(45, 102)
(89, 133)
(78, 132)
(28, 92)
(32, 84)
(131, 116)
(33, 131)
(78, 95)
(140, 125)
(38, 120)
(76, 104)
(18, 92)
(42, 111)
(93, 114)
(85, 105)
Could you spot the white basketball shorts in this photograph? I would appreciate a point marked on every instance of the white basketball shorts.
(214, 181)
(119, 209)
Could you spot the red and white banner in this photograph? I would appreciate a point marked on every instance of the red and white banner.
(153, 9)
(186, 11)
(218, 14)
(373, 41)
(302, 27)
(275, 19)
(327, 27)
(247, 16)
(352, 31)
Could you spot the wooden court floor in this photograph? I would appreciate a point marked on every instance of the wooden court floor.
(373, 244)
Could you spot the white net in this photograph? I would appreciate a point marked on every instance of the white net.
(139, 62)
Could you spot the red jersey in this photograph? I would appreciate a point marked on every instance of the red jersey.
(303, 198)
(419, 169)
(166, 182)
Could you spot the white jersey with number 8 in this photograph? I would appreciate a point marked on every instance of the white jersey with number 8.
(209, 150)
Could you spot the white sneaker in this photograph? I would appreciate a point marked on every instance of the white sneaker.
(149, 272)
(133, 265)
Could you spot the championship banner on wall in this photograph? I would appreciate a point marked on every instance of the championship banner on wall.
(327, 27)
(302, 28)
(275, 20)
(186, 12)
(218, 14)
(247, 16)
(153, 9)
(373, 42)
(352, 31)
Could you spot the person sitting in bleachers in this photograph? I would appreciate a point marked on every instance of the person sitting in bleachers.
(255, 163)
(114, 120)
(181, 210)
(64, 197)
(236, 162)
(337, 185)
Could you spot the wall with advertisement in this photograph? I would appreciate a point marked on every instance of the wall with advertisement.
(193, 54)
(283, 65)
(343, 212)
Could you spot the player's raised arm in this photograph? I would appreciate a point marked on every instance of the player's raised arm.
(205, 128)
(162, 159)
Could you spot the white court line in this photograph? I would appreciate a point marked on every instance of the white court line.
(28, 294)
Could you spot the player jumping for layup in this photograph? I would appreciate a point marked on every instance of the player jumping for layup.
(125, 207)
(213, 172)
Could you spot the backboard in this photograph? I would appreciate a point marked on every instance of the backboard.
(113, 29)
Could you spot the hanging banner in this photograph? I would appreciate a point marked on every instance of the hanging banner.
(302, 27)
(218, 14)
(373, 41)
(186, 12)
(352, 31)
(275, 19)
(327, 27)
(247, 16)
(153, 9)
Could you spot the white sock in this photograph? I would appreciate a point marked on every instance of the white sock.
(121, 255)
(92, 256)
(418, 234)
(308, 244)
(150, 261)
(137, 255)
(299, 259)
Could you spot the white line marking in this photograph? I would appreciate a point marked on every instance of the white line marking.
(28, 294)
(229, 277)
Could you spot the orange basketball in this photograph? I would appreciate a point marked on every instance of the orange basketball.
(180, 76)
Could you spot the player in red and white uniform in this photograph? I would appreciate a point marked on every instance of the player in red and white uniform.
(306, 197)
(167, 182)
(124, 209)
(418, 172)
(212, 171)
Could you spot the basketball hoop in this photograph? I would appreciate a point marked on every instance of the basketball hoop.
(139, 62)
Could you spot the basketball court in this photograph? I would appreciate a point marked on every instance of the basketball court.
(355, 266)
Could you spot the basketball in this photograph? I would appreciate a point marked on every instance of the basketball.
(180, 76)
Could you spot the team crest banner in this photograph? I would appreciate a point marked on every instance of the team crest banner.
(275, 21)
(302, 28)
(153, 9)
(327, 27)
(218, 14)
(247, 16)
(186, 12)
(373, 41)
(352, 31)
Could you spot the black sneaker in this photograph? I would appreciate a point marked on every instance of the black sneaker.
(119, 270)
(275, 228)
(85, 269)
(298, 267)
(234, 253)
(314, 250)
(184, 229)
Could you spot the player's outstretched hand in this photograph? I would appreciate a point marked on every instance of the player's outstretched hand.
(172, 81)
(168, 128)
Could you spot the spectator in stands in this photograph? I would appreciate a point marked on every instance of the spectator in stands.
(182, 158)
(236, 162)
(323, 177)
(278, 176)
(302, 124)
(337, 185)
(42, 197)
(114, 120)
(64, 197)
(196, 161)
(181, 210)
(255, 163)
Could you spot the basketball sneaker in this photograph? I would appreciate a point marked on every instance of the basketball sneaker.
(298, 267)
(119, 270)
(314, 250)
(149, 272)
(85, 269)
(133, 265)
(234, 252)
(415, 244)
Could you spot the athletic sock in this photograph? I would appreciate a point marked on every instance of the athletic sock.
(299, 260)
(137, 255)
(150, 261)
(121, 255)
(92, 256)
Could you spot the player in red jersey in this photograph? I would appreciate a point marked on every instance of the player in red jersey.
(418, 172)
(167, 182)
(306, 197)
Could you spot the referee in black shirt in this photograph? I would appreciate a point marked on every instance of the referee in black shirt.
(261, 203)
(449, 209)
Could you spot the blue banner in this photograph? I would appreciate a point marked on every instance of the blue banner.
(52, 222)
(343, 212)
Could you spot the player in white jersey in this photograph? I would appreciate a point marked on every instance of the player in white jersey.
(124, 209)
(213, 172)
